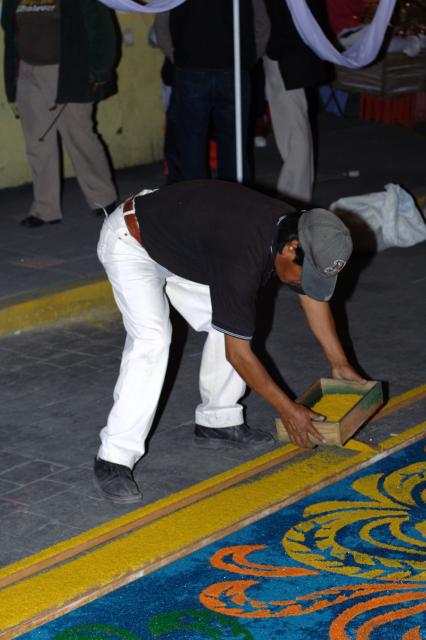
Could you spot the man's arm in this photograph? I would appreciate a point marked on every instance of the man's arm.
(295, 417)
(321, 323)
(102, 36)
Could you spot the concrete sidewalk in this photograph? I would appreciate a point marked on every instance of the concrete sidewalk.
(56, 383)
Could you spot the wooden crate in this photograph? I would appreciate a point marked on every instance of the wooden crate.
(394, 75)
(337, 433)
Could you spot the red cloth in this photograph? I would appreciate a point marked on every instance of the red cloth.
(343, 14)
(389, 109)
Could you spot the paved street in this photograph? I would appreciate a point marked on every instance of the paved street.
(57, 382)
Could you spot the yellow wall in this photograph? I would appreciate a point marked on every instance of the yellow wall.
(131, 122)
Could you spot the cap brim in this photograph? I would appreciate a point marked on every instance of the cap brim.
(314, 285)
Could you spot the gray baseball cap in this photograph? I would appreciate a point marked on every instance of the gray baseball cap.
(327, 245)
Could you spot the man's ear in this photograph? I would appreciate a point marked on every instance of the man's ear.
(290, 247)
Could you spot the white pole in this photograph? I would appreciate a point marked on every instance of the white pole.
(237, 82)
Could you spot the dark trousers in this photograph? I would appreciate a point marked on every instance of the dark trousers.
(202, 100)
(170, 144)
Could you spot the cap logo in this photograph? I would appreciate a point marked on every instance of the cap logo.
(335, 267)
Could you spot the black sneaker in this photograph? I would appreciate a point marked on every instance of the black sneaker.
(116, 482)
(240, 437)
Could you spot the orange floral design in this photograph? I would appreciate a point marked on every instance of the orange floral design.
(393, 502)
(240, 564)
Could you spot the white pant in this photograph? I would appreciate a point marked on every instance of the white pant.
(140, 286)
(292, 131)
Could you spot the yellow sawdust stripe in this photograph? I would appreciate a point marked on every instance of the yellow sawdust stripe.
(48, 595)
(401, 438)
(400, 402)
(119, 526)
(128, 557)
(100, 535)
(361, 447)
(54, 305)
(139, 517)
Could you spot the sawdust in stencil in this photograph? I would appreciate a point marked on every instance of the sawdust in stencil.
(334, 406)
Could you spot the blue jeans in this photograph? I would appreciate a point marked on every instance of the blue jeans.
(201, 99)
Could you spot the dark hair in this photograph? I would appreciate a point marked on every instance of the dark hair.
(287, 231)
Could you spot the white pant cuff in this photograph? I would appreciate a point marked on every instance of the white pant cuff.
(117, 457)
(219, 420)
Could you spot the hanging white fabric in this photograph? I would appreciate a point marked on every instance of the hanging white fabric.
(151, 6)
(360, 54)
(363, 52)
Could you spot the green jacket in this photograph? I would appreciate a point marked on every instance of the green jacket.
(89, 51)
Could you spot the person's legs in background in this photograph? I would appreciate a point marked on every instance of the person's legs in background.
(170, 145)
(171, 158)
(77, 129)
(41, 120)
(35, 99)
(292, 131)
(192, 102)
(259, 119)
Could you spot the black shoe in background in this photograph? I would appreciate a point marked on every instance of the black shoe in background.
(116, 482)
(32, 222)
(100, 212)
(240, 436)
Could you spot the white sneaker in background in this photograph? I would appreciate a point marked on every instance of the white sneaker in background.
(260, 142)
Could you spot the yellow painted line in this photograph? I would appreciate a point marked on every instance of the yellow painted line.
(130, 556)
(400, 438)
(47, 595)
(361, 447)
(54, 305)
(96, 534)
(102, 533)
(408, 395)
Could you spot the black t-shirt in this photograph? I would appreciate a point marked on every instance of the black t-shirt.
(203, 37)
(216, 233)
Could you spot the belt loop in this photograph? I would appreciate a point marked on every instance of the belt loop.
(129, 207)
(131, 220)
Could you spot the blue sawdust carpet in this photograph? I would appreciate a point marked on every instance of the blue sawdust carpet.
(348, 562)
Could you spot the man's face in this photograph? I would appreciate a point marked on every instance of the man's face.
(287, 270)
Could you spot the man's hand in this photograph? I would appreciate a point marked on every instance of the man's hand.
(295, 417)
(298, 422)
(346, 372)
(99, 82)
(97, 86)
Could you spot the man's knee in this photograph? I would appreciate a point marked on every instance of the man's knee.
(152, 344)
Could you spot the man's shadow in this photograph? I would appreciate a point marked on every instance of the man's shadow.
(365, 248)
